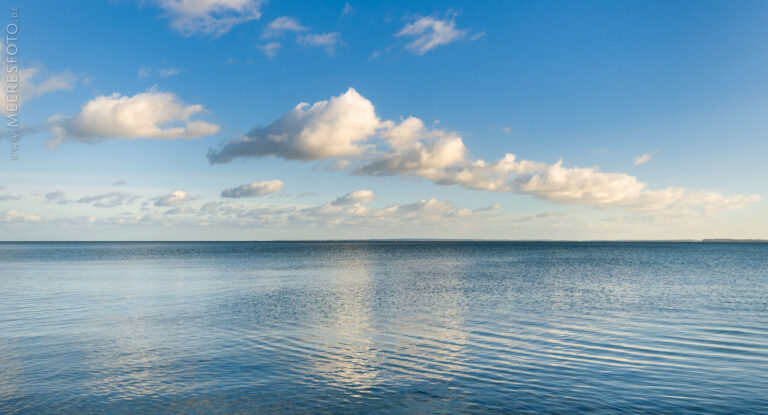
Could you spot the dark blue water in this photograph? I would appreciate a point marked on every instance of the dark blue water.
(377, 327)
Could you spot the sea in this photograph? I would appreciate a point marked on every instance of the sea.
(383, 327)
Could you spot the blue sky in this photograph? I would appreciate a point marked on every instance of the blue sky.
(595, 85)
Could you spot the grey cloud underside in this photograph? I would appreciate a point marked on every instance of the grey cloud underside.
(103, 200)
(109, 200)
(255, 189)
(7, 196)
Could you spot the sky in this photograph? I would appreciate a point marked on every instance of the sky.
(268, 120)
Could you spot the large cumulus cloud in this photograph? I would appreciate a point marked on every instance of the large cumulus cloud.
(347, 129)
(333, 128)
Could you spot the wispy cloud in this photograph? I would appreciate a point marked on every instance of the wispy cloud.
(34, 82)
(348, 10)
(429, 32)
(146, 72)
(109, 200)
(324, 40)
(209, 17)
(270, 49)
(645, 158)
(282, 25)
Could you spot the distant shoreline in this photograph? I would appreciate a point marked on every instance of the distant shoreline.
(724, 240)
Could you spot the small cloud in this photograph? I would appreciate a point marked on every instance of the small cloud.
(430, 32)
(476, 36)
(254, 189)
(168, 72)
(109, 200)
(645, 158)
(357, 197)
(506, 129)
(209, 17)
(490, 208)
(270, 49)
(7, 196)
(34, 82)
(211, 207)
(119, 183)
(144, 72)
(326, 40)
(59, 198)
(348, 10)
(175, 198)
(16, 216)
(178, 211)
(282, 25)
(147, 71)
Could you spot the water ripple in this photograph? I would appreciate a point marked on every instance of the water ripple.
(417, 327)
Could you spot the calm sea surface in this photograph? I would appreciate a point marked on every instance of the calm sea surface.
(378, 327)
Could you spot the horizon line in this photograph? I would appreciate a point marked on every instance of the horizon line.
(702, 240)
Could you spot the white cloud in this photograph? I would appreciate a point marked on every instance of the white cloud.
(430, 32)
(325, 40)
(414, 149)
(326, 129)
(175, 198)
(347, 130)
(591, 187)
(150, 114)
(645, 158)
(16, 216)
(254, 189)
(209, 17)
(357, 197)
(33, 83)
(440, 156)
(282, 25)
(270, 49)
(56, 82)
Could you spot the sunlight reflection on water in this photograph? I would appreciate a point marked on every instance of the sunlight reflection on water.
(355, 327)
